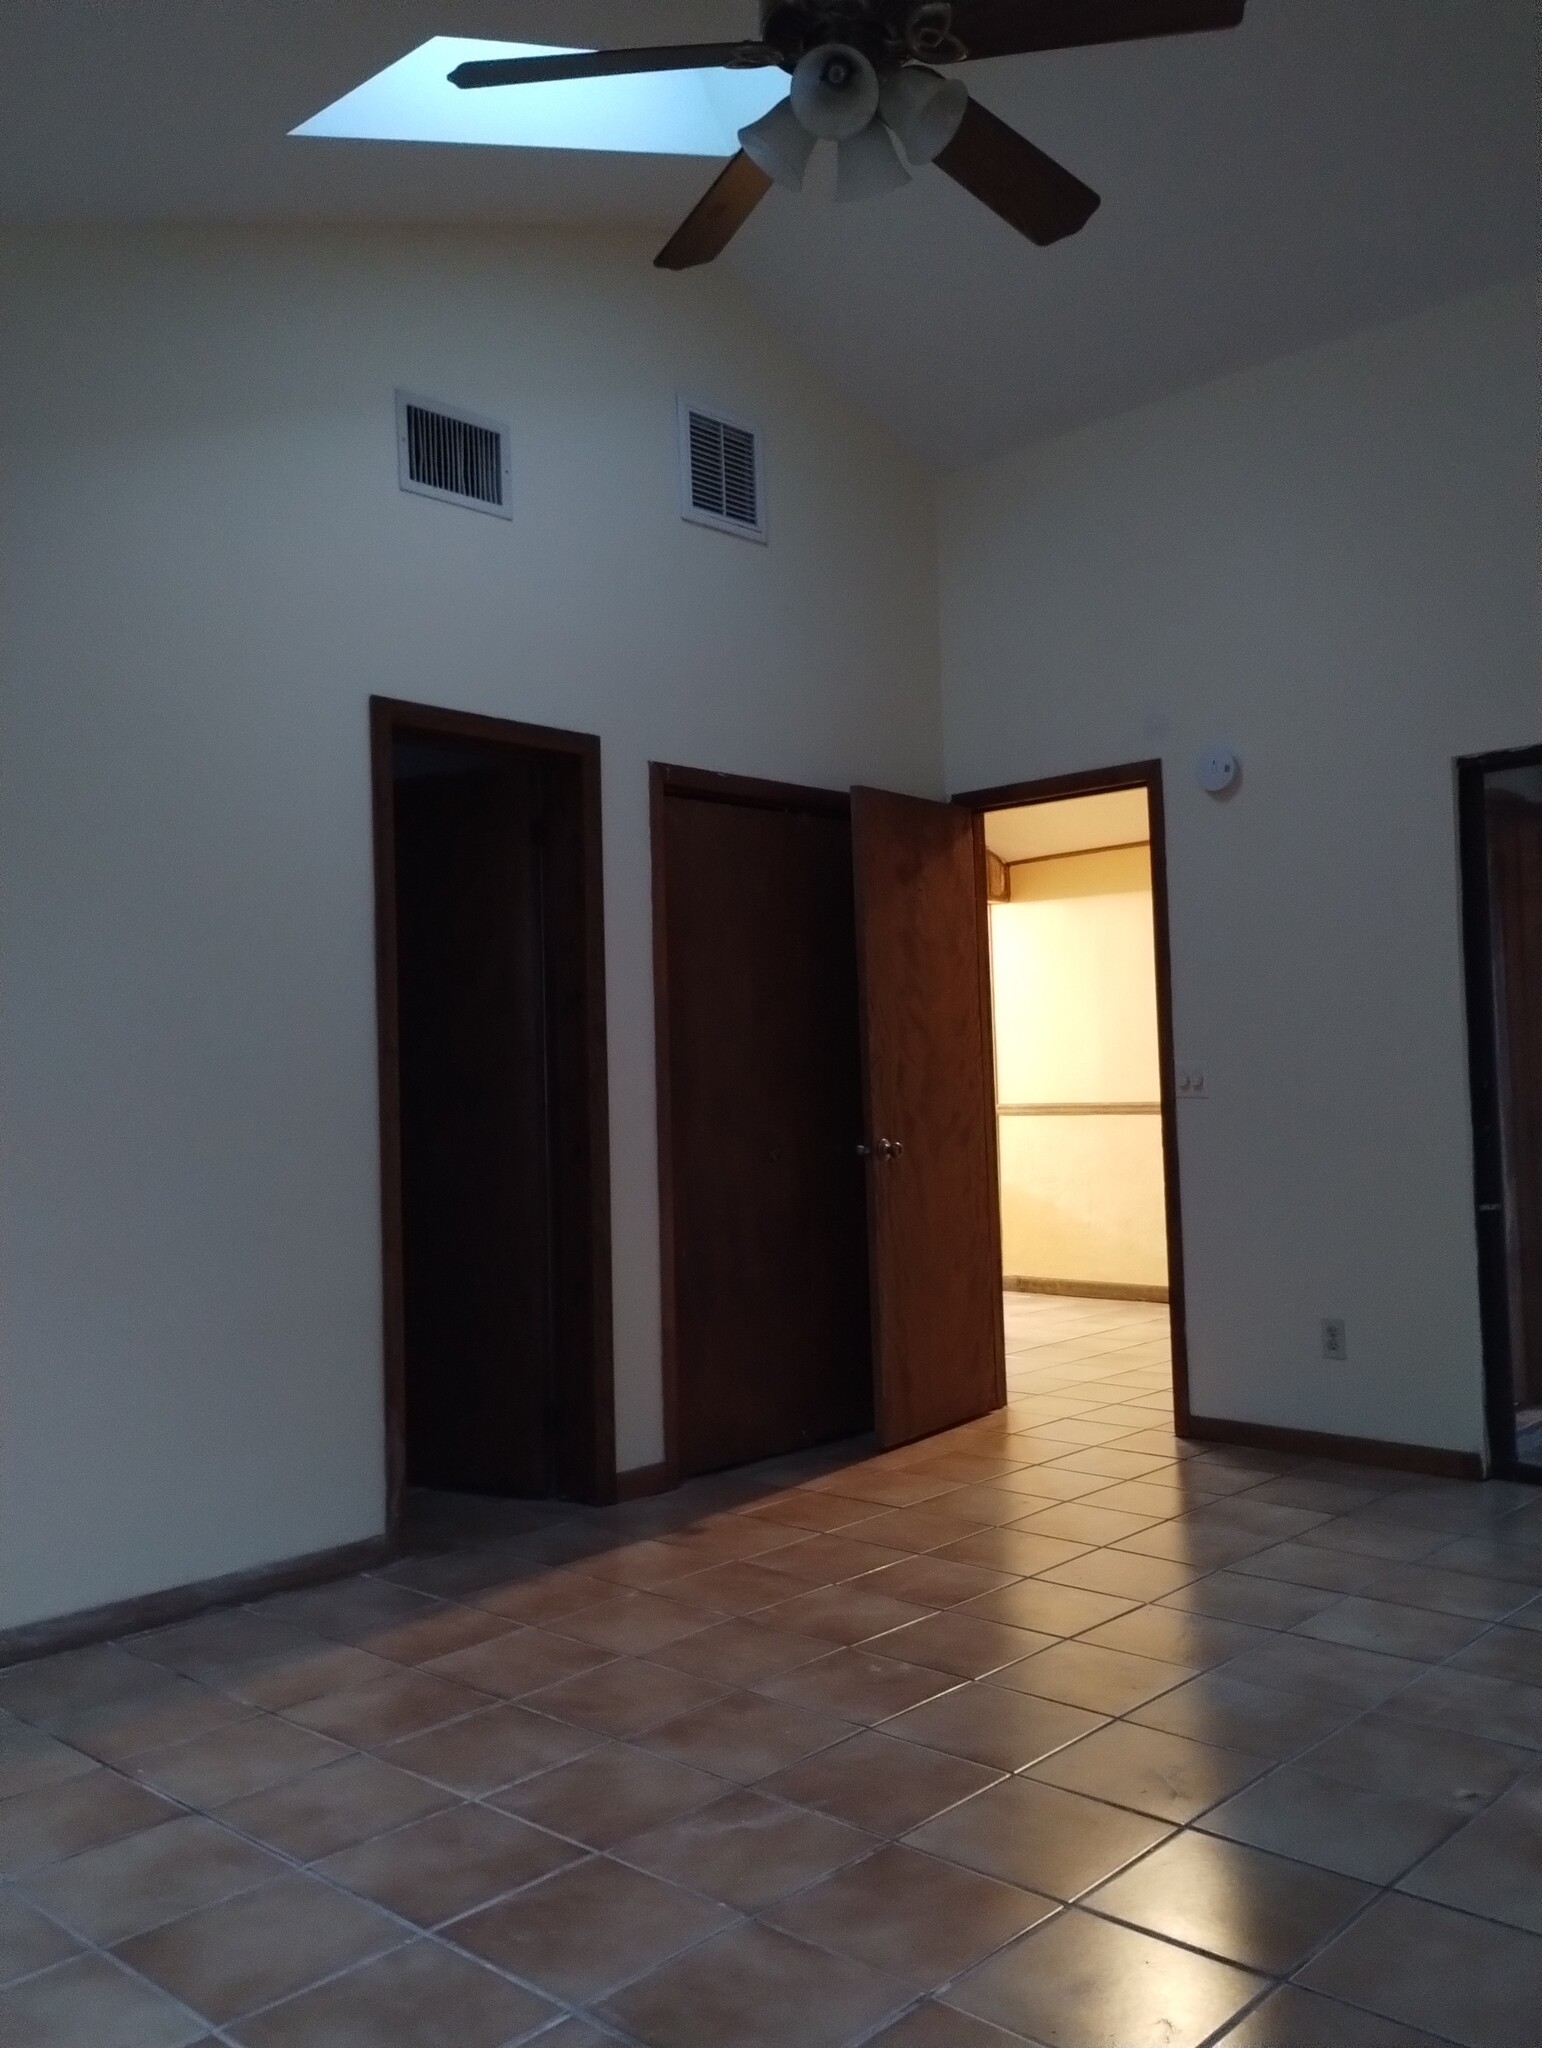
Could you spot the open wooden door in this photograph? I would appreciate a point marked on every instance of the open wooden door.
(934, 1226)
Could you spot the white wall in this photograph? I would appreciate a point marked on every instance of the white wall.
(206, 569)
(1328, 562)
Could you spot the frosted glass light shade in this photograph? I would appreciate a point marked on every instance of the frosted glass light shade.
(780, 144)
(924, 110)
(868, 165)
(834, 91)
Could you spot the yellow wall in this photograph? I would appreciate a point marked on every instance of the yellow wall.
(1081, 1199)
(1074, 979)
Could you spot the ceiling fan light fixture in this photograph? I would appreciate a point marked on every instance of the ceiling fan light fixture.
(780, 144)
(867, 165)
(924, 109)
(834, 92)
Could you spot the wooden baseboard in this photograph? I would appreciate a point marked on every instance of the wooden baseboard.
(1349, 1450)
(1093, 1290)
(643, 1481)
(178, 1603)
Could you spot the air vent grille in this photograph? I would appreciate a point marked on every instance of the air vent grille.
(720, 472)
(452, 456)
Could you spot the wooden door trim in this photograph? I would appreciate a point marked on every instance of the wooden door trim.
(988, 1061)
(666, 780)
(1146, 775)
(753, 790)
(661, 783)
(1496, 1335)
(390, 717)
(1046, 789)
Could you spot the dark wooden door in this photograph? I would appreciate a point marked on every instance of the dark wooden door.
(766, 1307)
(934, 1228)
(475, 1131)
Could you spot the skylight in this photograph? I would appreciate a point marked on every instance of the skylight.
(663, 113)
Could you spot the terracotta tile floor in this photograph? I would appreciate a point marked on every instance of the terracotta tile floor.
(1054, 1730)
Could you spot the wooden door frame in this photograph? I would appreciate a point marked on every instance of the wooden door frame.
(664, 781)
(1483, 1090)
(1146, 775)
(389, 719)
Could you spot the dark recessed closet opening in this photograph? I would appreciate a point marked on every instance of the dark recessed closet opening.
(497, 1280)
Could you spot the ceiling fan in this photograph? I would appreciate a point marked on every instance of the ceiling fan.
(863, 76)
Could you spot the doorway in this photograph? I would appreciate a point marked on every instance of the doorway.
(1500, 816)
(831, 1257)
(493, 1116)
(1081, 1007)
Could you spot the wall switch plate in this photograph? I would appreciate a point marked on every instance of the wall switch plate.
(1191, 1080)
(1335, 1339)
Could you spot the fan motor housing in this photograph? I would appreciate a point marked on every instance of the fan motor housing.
(885, 31)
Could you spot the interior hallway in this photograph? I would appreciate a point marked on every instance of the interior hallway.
(1055, 1730)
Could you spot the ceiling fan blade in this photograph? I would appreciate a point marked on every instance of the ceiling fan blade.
(612, 63)
(1031, 192)
(717, 216)
(1010, 28)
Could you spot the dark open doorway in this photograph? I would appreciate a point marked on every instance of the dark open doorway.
(1500, 809)
(494, 1170)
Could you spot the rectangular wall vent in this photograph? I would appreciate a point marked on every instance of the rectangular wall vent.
(452, 456)
(720, 479)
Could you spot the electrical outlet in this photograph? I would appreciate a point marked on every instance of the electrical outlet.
(1335, 1338)
(1191, 1080)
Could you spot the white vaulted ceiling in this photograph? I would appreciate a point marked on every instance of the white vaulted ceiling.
(1331, 164)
